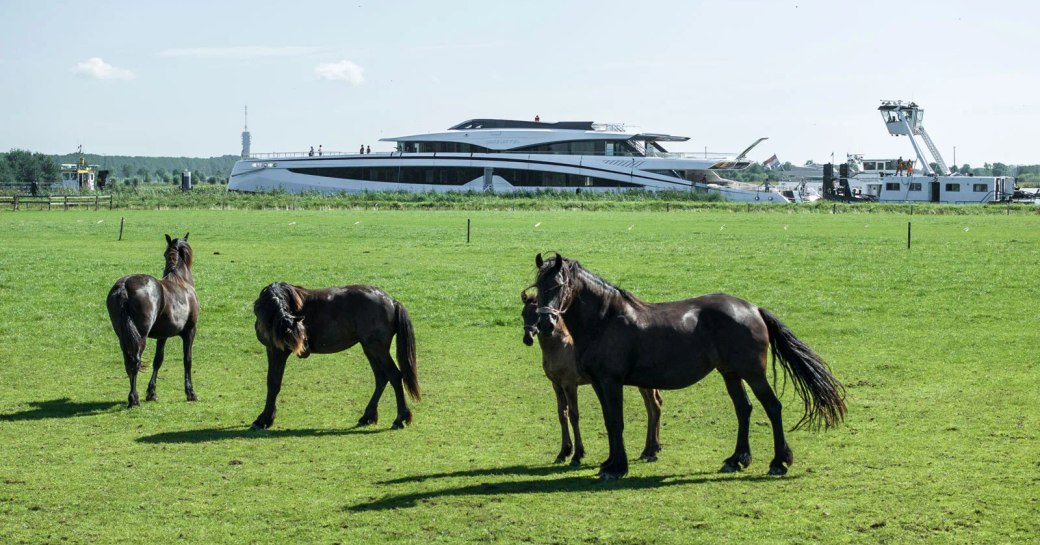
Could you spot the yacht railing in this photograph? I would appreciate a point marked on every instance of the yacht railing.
(710, 155)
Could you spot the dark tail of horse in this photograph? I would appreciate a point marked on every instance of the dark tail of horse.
(277, 324)
(822, 394)
(122, 321)
(406, 352)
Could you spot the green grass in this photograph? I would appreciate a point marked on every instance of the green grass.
(936, 345)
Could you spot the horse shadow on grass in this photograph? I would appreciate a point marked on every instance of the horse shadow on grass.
(240, 432)
(584, 483)
(59, 408)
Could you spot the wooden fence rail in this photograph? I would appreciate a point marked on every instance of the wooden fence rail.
(65, 202)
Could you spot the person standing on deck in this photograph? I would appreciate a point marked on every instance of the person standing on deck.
(899, 166)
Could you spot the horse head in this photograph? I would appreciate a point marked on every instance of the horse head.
(554, 291)
(178, 253)
(530, 317)
(295, 338)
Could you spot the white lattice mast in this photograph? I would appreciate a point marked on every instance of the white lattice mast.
(907, 120)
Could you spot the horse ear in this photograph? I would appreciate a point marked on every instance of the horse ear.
(538, 261)
(558, 263)
(168, 240)
(186, 236)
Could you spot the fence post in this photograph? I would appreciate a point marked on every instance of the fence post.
(467, 230)
(14, 203)
(97, 201)
(908, 235)
(121, 228)
(66, 202)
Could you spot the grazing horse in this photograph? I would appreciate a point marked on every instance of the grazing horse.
(561, 369)
(141, 306)
(620, 340)
(295, 320)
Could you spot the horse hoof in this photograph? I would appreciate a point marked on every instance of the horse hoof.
(608, 476)
(398, 425)
(648, 458)
(729, 467)
(777, 470)
(560, 459)
(575, 462)
(367, 421)
(151, 397)
(192, 397)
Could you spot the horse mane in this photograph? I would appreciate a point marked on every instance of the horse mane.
(600, 284)
(278, 317)
(177, 255)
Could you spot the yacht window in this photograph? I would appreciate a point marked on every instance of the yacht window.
(915, 186)
(869, 165)
(892, 186)
(953, 187)
(979, 188)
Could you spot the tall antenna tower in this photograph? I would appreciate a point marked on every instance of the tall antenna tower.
(245, 136)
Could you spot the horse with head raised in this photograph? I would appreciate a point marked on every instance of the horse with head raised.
(141, 306)
(561, 369)
(295, 320)
(621, 340)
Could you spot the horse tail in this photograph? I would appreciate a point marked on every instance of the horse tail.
(122, 322)
(406, 352)
(277, 322)
(822, 394)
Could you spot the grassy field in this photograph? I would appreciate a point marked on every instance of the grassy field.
(936, 345)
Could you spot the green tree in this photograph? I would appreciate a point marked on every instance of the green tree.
(24, 167)
(965, 169)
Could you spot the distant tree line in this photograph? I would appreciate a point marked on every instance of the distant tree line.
(20, 167)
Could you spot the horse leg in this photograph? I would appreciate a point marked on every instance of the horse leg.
(742, 454)
(379, 357)
(611, 398)
(133, 365)
(566, 447)
(189, 339)
(371, 415)
(160, 348)
(781, 451)
(132, 352)
(275, 369)
(571, 391)
(652, 401)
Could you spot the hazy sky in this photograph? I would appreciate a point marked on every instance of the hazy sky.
(171, 78)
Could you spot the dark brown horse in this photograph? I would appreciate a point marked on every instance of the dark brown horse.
(295, 320)
(561, 369)
(623, 340)
(141, 306)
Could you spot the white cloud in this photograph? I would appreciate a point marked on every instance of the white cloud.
(341, 71)
(239, 53)
(96, 68)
